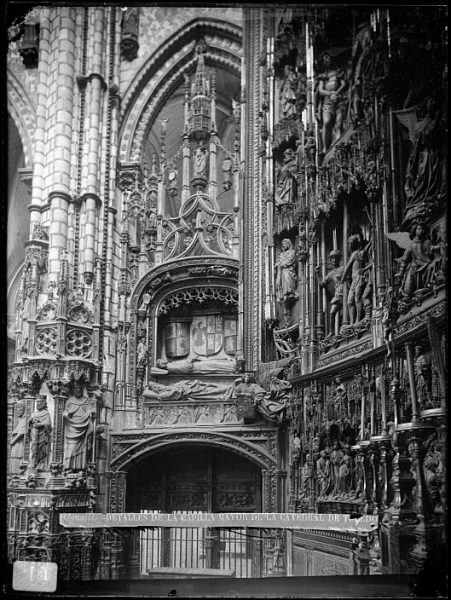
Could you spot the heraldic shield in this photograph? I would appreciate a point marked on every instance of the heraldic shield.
(177, 339)
(230, 335)
(207, 335)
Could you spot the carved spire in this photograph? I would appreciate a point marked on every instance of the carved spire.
(199, 121)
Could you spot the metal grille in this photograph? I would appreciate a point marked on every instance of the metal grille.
(199, 548)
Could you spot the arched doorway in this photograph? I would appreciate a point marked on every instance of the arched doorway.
(194, 478)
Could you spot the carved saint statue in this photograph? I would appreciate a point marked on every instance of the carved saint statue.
(333, 284)
(361, 288)
(17, 440)
(286, 191)
(286, 275)
(330, 88)
(141, 353)
(323, 473)
(423, 378)
(200, 161)
(78, 419)
(344, 476)
(288, 93)
(40, 425)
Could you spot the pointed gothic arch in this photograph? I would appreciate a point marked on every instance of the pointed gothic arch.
(166, 68)
(22, 112)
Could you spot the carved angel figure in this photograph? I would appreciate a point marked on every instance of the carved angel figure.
(414, 272)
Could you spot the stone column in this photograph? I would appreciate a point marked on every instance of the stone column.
(37, 194)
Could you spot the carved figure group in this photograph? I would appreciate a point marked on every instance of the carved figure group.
(270, 404)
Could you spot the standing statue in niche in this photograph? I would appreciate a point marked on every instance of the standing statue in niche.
(78, 417)
(333, 284)
(361, 288)
(426, 177)
(331, 111)
(141, 352)
(40, 425)
(286, 192)
(288, 93)
(286, 275)
(17, 440)
(335, 459)
(323, 473)
(344, 476)
(200, 162)
(423, 378)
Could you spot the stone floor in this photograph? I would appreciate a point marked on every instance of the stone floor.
(376, 586)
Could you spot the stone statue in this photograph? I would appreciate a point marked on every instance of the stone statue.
(423, 378)
(78, 417)
(141, 353)
(333, 104)
(17, 440)
(426, 177)
(335, 459)
(40, 425)
(288, 93)
(188, 390)
(194, 365)
(272, 404)
(286, 275)
(344, 476)
(414, 263)
(297, 446)
(361, 288)
(333, 284)
(323, 473)
(286, 191)
(200, 162)
(246, 386)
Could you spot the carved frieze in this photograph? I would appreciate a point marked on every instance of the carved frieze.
(162, 415)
